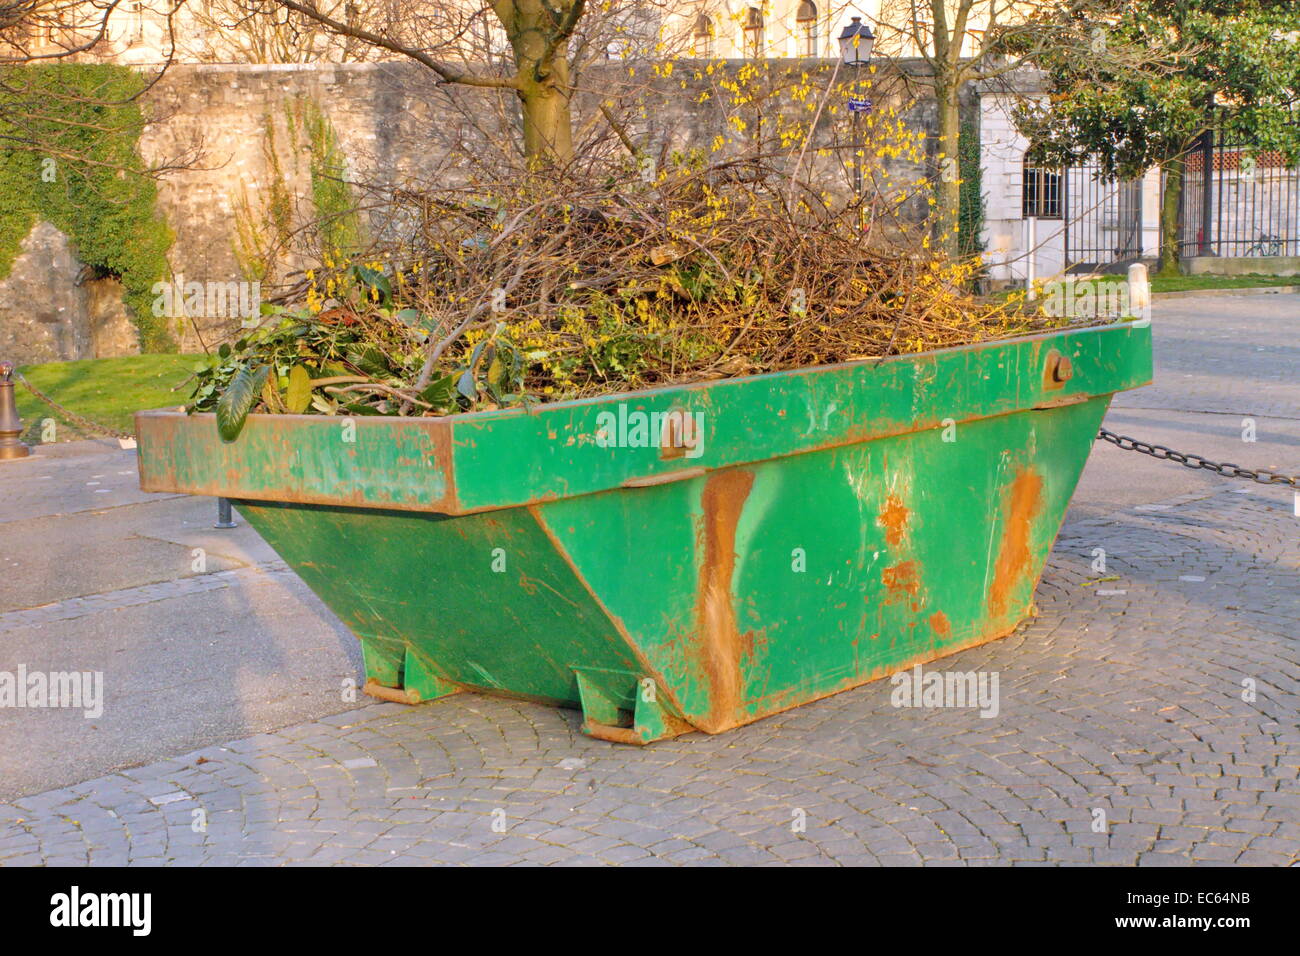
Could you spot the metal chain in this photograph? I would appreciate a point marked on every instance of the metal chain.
(84, 423)
(1226, 469)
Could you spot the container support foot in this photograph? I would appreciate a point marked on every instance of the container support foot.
(401, 677)
(625, 709)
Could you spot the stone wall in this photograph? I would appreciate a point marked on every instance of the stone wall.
(1242, 265)
(51, 309)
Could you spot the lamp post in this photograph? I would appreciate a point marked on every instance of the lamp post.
(856, 42)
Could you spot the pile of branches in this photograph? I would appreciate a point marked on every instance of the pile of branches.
(541, 288)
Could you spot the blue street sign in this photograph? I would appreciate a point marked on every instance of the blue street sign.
(859, 106)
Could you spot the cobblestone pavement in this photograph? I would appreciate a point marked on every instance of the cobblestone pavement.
(1155, 702)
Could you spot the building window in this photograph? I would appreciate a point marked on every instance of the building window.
(1040, 194)
(703, 45)
(805, 20)
(754, 33)
(138, 10)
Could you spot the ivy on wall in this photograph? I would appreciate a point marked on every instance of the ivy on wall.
(69, 134)
(339, 225)
(970, 210)
(266, 236)
(264, 233)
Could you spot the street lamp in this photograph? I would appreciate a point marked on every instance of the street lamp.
(856, 42)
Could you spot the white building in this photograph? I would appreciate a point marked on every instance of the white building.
(218, 31)
(1040, 222)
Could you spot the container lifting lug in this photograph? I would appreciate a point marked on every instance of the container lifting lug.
(1059, 370)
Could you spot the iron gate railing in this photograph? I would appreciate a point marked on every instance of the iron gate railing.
(1236, 204)
(1103, 220)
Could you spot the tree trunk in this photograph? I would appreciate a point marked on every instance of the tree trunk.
(541, 46)
(548, 123)
(1169, 202)
(948, 187)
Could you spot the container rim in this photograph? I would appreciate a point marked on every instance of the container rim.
(711, 383)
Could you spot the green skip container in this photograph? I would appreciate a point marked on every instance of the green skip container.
(684, 558)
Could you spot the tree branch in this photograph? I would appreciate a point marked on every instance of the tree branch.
(444, 72)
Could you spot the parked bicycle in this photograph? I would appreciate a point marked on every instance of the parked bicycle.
(1267, 244)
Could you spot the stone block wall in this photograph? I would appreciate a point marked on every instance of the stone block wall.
(52, 310)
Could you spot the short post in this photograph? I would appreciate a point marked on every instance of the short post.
(1139, 294)
(11, 426)
(1031, 241)
(224, 517)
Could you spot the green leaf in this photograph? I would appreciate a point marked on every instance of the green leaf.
(373, 279)
(237, 401)
(496, 376)
(298, 394)
(476, 356)
(370, 360)
(441, 392)
(465, 385)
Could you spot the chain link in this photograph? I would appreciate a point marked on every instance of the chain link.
(1226, 469)
(90, 427)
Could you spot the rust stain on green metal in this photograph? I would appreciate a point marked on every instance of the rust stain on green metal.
(719, 639)
(894, 520)
(1014, 557)
(901, 582)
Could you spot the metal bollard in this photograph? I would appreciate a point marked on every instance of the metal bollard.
(11, 426)
(224, 518)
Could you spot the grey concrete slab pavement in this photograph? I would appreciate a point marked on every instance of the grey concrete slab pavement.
(201, 634)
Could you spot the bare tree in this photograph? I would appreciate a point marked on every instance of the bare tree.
(254, 33)
(46, 30)
(968, 41)
(539, 33)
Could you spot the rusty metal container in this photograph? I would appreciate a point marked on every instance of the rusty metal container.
(693, 557)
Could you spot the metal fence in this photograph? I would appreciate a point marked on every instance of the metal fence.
(1103, 220)
(1236, 204)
